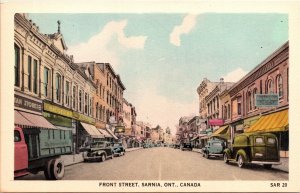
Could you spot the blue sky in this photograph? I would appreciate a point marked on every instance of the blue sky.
(162, 58)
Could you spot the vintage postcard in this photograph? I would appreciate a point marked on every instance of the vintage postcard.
(149, 96)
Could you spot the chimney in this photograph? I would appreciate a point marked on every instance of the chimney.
(58, 30)
(221, 80)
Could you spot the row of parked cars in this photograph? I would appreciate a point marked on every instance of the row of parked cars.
(101, 150)
(254, 148)
(246, 148)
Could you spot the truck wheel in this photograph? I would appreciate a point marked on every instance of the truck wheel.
(240, 161)
(58, 169)
(268, 166)
(103, 157)
(47, 170)
(226, 158)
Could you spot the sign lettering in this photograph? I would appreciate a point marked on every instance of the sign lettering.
(28, 104)
(266, 100)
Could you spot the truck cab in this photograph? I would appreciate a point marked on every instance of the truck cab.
(21, 153)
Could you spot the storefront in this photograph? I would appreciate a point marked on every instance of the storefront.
(222, 133)
(278, 124)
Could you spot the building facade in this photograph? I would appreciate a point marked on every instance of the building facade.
(269, 77)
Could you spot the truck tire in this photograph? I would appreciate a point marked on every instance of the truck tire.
(47, 170)
(58, 169)
(240, 161)
(225, 158)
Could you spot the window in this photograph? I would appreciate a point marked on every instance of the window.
(260, 86)
(74, 97)
(85, 103)
(225, 112)
(253, 97)
(279, 86)
(17, 136)
(80, 101)
(97, 114)
(271, 141)
(249, 101)
(17, 65)
(35, 79)
(67, 93)
(228, 110)
(58, 87)
(29, 73)
(239, 105)
(269, 89)
(259, 140)
(46, 81)
(90, 107)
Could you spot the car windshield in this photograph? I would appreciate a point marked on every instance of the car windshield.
(218, 144)
(99, 144)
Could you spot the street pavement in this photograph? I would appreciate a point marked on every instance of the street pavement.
(163, 163)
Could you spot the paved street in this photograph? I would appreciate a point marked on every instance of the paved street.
(163, 163)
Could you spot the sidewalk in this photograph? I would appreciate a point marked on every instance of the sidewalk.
(284, 166)
(77, 158)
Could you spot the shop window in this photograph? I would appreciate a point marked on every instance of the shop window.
(17, 65)
(46, 81)
(29, 73)
(279, 86)
(35, 78)
(58, 87)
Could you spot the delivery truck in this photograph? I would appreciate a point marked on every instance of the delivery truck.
(40, 149)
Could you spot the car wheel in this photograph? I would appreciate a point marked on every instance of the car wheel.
(103, 157)
(225, 158)
(268, 166)
(241, 161)
(206, 155)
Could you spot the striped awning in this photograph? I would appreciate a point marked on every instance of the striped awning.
(24, 119)
(222, 132)
(92, 130)
(275, 122)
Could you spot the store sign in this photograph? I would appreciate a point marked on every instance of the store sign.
(120, 129)
(57, 110)
(28, 104)
(58, 120)
(83, 118)
(266, 100)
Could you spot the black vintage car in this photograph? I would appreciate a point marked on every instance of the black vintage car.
(97, 151)
(186, 146)
(118, 149)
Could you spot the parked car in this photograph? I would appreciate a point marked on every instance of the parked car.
(257, 148)
(118, 149)
(177, 145)
(214, 147)
(186, 146)
(97, 151)
(146, 145)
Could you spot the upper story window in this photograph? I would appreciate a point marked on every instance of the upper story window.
(46, 81)
(239, 105)
(29, 75)
(35, 76)
(17, 65)
(269, 87)
(86, 103)
(249, 101)
(279, 86)
(67, 91)
(97, 114)
(80, 101)
(74, 97)
(90, 107)
(253, 97)
(58, 87)
(228, 110)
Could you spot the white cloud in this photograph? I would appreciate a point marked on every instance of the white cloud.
(157, 109)
(235, 76)
(185, 27)
(101, 47)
